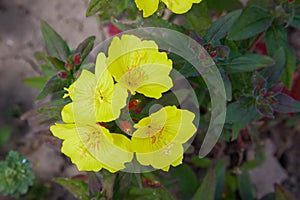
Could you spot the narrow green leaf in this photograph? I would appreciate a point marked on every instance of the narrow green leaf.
(201, 162)
(56, 46)
(286, 104)
(55, 84)
(219, 28)
(252, 21)
(245, 186)
(187, 180)
(58, 64)
(208, 186)
(85, 47)
(276, 38)
(148, 194)
(198, 18)
(220, 171)
(78, 188)
(267, 4)
(296, 21)
(248, 62)
(270, 196)
(95, 6)
(35, 82)
(227, 5)
(282, 194)
(274, 72)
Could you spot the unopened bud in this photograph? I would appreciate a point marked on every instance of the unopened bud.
(68, 66)
(62, 74)
(213, 54)
(77, 59)
(126, 127)
(133, 104)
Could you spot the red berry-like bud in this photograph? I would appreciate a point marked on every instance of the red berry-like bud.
(126, 127)
(133, 104)
(62, 74)
(213, 54)
(262, 92)
(77, 59)
(68, 66)
(102, 124)
(112, 30)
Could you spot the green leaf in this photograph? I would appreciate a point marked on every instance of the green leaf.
(35, 82)
(4, 134)
(227, 84)
(201, 162)
(267, 4)
(282, 194)
(296, 21)
(56, 46)
(270, 196)
(276, 38)
(55, 84)
(58, 64)
(85, 47)
(219, 28)
(248, 62)
(274, 72)
(186, 180)
(246, 113)
(95, 6)
(148, 194)
(77, 187)
(286, 104)
(245, 186)
(198, 18)
(227, 5)
(208, 186)
(220, 171)
(252, 21)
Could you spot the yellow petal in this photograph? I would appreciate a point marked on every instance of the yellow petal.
(103, 146)
(147, 6)
(97, 100)
(100, 65)
(179, 6)
(163, 158)
(139, 66)
(80, 156)
(67, 113)
(63, 131)
(158, 139)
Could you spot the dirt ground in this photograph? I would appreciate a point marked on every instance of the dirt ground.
(20, 37)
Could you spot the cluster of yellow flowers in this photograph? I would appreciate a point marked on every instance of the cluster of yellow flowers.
(132, 66)
(176, 6)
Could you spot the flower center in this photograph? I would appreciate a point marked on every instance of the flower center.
(133, 78)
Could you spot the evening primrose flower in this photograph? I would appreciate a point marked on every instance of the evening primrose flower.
(95, 96)
(159, 138)
(138, 66)
(176, 6)
(92, 147)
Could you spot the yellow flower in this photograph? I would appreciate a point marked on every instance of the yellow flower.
(176, 6)
(159, 138)
(95, 96)
(139, 66)
(91, 147)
